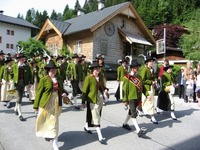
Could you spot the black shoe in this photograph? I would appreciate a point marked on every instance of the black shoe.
(126, 126)
(21, 118)
(77, 107)
(88, 131)
(103, 141)
(16, 113)
(48, 139)
(154, 122)
(141, 133)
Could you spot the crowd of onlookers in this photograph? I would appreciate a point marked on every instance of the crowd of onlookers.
(188, 82)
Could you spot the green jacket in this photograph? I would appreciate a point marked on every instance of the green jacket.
(121, 72)
(27, 74)
(4, 73)
(130, 90)
(167, 80)
(146, 77)
(72, 72)
(44, 91)
(90, 89)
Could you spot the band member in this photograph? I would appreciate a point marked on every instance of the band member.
(22, 77)
(1, 62)
(93, 92)
(6, 78)
(48, 104)
(148, 81)
(132, 88)
(165, 97)
(121, 72)
(73, 73)
(102, 75)
(35, 79)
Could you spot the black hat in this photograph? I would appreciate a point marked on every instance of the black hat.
(1, 52)
(100, 56)
(75, 55)
(149, 58)
(20, 55)
(94, 65)
(167, 67)
(51, 65)
(59, 57)
(134, 63)
(8, 59)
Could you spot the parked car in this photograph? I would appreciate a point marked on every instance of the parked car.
(111, 72)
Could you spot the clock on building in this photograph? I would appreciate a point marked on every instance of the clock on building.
(109, 28)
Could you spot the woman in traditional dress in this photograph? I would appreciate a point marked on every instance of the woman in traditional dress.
(165, 97)
(48, 104)
(6, 76)
(35, 80)
(93, 90)
(149, 82)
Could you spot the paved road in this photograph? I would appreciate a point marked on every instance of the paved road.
(183, 134)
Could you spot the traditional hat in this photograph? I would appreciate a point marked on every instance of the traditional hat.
(167, 67)
(94, 65)
(59, 57)
(51, 65)
(1, 52)
(75, 56)
(20, 55)
(134, 63)
(149, 58)
(8, 59)
(100, 56)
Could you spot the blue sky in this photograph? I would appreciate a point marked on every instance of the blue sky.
(14, 7)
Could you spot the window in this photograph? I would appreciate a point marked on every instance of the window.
(104, 46)
(78, 47)
(55, 51)
(8, 32)
(0, 39)
(12, 32)
(11, 46)
(7, 45)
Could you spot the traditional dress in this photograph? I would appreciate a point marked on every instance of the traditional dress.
(165, 98)
(6, 76)
(48, 100)
(147, 76)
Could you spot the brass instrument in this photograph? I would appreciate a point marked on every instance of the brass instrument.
(67, 101)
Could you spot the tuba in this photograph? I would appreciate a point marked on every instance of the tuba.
(128, 58)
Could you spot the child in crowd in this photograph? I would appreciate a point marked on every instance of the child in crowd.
(190, 87)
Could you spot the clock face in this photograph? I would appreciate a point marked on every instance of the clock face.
(109, 28)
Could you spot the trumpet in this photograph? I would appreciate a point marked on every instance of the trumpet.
(29, 60)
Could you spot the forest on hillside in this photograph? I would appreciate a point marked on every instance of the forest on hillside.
(177, 15)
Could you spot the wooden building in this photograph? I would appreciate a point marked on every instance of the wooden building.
(116, 32)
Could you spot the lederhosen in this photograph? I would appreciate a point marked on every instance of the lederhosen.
(134, 103)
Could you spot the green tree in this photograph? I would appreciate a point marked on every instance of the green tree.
(31, 47)
(54, 15)
(190, 44)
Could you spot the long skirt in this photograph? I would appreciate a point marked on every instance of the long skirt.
(47, 123)
(148, 102)
(5, 95)
(94, 112)
(33, 89)
(165, 101)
